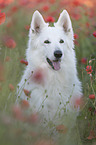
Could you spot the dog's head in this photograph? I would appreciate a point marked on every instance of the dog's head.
(50, 44)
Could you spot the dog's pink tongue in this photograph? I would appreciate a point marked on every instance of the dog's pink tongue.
(56, 65)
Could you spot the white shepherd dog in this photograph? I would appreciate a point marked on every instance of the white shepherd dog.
(51, 74)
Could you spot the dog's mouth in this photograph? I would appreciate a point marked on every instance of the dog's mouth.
(55, 64)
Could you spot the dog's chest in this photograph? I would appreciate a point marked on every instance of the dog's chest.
(50, 96)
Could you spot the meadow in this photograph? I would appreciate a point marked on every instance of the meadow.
(17, 126)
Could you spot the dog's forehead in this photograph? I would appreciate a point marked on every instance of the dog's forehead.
(53, 31)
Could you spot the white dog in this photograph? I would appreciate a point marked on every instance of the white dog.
(51, 75)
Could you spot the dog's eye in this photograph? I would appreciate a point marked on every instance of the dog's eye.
(47, 41)
(61, 41)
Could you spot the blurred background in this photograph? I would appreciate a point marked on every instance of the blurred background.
(15, 19)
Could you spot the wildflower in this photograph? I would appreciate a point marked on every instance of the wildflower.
(24, 104)
(27, 93)
(84, 60)
(4, 3)
(90, 61)
(33, 118)
(94, 33)
(39, 76)
(24, 61)
(2, 17)
(50, 19)
(76, 42)
(7, 58)
(78, 102)
(76, 16)
(24, 2)
(52, 1)
(11, 87)
(14, 9)
(45, 8)
(61, 129)
(89, 69)
(92, 96)
(10, 43)
(87, 25)
(9, 25)
(27, 27)
(76, 3)
(17, 112)
(75, 36)
(91, 135)
(7, 1)
(88, 3)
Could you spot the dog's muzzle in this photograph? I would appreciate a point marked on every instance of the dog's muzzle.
(55, 64)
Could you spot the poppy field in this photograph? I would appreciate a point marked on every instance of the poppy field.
(17, 125)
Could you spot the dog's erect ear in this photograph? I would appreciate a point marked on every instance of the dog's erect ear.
(37, 22)
(64, 21)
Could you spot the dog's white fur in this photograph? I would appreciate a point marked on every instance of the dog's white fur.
(54, 88)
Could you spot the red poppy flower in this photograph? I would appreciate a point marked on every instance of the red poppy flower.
(2, 5)
(33, 118)
(52, 1)
(50, 19)
(10, 43)
(84, 60)
(2, 18)
(6, 2)
(88, 25)
(75, 36)
(38, 76)
(61, 129)
(76, 3)
(76, 42)
(88, 3)
(92, 96)
(45, 8)
(91, 135)
(24, 61)
(17, 112)
(79, 102)
(89, 69)
(27, 27)
(94, 33)
(27, 93)
(76, 16)
(24, 2)
(25, 104)
(14, 9)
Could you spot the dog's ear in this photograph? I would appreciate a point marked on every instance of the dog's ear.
(65, 22)
(37, 22)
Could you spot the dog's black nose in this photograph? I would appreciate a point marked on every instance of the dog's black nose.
(58, 54)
